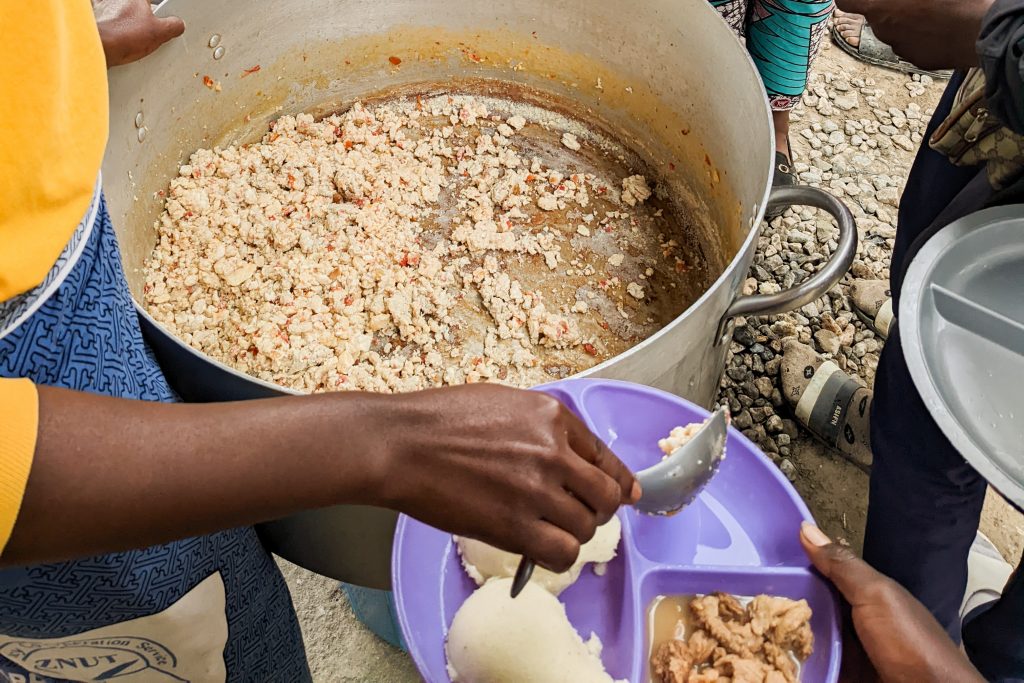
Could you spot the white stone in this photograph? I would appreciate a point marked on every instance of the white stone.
(828, 341)
(888, 196)
(860, 161)
(847, 102)
(903, 142)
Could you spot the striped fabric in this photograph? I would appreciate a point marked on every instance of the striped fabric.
(783, 37)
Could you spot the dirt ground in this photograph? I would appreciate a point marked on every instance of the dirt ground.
(341, 651)
(837, 494)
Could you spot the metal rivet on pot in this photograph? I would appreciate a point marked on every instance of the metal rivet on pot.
(219, 52)
(214, 40)
(142, 134)
(138, 120)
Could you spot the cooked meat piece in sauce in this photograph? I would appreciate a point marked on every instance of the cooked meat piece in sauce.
(787, 620)
(702, 646)
(760, 642)
(735, 636)
(672, 662)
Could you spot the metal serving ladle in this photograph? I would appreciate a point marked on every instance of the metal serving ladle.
(673, 483)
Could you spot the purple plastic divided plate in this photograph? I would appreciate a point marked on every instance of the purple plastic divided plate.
(740, 536)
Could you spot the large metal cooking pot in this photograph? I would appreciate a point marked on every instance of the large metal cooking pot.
(674, 82)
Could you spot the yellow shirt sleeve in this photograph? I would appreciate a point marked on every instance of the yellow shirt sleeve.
(54, 121)
(19, 424)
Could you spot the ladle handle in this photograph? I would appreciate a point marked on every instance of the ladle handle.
(817, 285)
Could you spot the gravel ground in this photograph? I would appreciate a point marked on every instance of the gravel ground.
(855, 134)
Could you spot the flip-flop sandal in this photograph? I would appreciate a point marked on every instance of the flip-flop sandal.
(830, 404)
(782, 176)
(872, 302)
(873, 51)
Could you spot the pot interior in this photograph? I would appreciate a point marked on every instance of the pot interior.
(666, 76)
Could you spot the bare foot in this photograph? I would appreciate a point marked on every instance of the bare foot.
(860, 41)
(849, 26)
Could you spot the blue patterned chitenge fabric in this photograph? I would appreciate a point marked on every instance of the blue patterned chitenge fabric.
(208, 608)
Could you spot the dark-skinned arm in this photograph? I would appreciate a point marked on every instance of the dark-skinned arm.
(513, 468)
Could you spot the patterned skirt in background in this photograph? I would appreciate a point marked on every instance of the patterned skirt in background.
(783, 37)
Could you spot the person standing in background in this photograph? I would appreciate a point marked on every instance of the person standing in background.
(783, 37)
(925, 501)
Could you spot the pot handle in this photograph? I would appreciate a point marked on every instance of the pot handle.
(818, 284)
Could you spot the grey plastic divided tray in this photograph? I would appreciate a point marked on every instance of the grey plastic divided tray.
(961, 319)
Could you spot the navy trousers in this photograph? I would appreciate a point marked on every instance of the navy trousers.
(925, 501)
